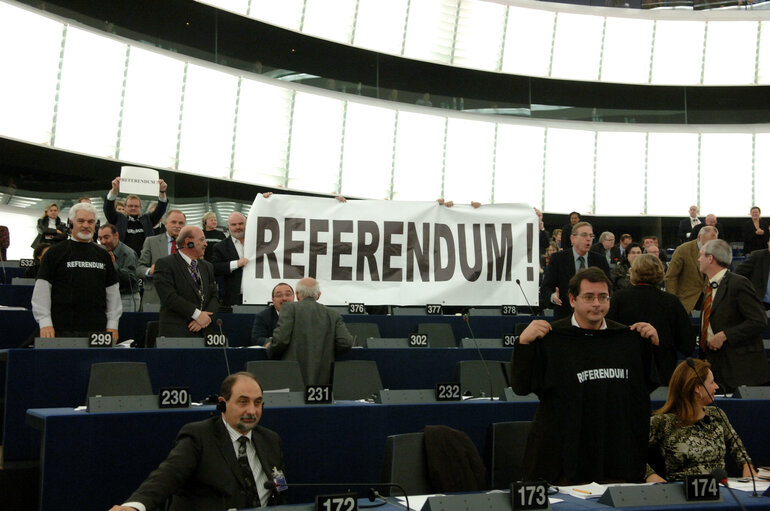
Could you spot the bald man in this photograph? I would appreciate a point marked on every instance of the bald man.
(229, 260)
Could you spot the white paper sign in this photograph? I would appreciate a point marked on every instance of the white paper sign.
(389, 252)
(138, 181)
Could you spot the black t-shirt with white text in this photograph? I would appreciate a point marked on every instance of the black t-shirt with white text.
(79, 274)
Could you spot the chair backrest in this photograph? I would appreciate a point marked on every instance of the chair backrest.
(356, 379)
(363, 331)
(440, 335)
(405, 464)
(506, 442)
(119, 379)
(150, 334)
(474, 378)
(277, 374)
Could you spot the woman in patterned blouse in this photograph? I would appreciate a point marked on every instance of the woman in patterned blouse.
(692, 436)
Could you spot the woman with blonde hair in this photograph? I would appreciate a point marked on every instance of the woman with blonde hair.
(50, 227)
(693, 437)
(213, 236)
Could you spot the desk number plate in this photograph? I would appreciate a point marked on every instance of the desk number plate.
(215, 341)
(174, 397)
(356, 308)
(338, 502)
(509, 340)
(701, 487)
(434, 310)
(99, 340)
(418, 340)
(318, 394)
(529, 495)
(508, 310)
(448, 392)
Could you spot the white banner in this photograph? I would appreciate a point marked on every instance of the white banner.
(139, 181)
(393, 253)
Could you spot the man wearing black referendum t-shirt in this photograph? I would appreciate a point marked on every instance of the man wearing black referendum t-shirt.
(593, 378)
(133, 227)
(77, 290)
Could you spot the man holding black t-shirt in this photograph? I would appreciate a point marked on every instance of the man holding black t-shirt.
(77, 291)
(593, 378)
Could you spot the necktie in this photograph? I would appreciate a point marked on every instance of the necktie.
(704, 331)
(582, 265)
(243, 461)
(173, 246)
(194, 272)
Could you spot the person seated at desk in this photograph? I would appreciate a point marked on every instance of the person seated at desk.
(218, 463)
(266, 320)
(692, 436)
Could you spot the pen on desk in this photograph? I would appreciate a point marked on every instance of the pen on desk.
(581, 491)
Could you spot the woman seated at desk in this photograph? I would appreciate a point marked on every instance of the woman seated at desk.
(692, 436)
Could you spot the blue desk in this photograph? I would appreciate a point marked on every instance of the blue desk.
(325, 444)
(56, 378)
(16, 296)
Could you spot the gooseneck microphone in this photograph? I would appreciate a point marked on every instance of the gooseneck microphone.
(466, 318)
(224, 346)
(721, 476)
(372, 494)
(744, 453)
(531, 310)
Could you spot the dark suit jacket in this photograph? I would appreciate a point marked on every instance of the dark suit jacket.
(264, 324)
(685, 228)
(756, 268)
(224, 252)
(202, 471)
(179, 295)
(560, 269)
(665, 312)
(751, 240)
(697, 228)
(598, 248)
(737, 311)
(310, 333)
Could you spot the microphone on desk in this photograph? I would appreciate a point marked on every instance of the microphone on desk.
(372, 494)
(721, 476)
(531, 310)
(224, 346)
(466, 318)
(691, 364)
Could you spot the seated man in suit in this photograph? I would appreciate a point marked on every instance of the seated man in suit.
(711, 219)
(211, 466)
(309, 333)
(229, 260)
(563, 265)
(267, 320)
(154, 248)
(186, 287)
(605, 247)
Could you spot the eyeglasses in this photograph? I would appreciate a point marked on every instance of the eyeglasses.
(590, 297)
(585, 235)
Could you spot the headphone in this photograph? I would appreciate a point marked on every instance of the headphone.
(190, 244)
(221, 406)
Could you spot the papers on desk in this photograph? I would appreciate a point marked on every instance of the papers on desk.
(416, 501)
(762, 485)
(584, 491)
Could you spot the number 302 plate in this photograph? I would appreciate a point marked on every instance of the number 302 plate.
(337, 502)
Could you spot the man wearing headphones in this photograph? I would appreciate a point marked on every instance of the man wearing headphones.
(224, 462)
(186, 287)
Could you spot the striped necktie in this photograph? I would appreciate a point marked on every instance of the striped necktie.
(705, 316)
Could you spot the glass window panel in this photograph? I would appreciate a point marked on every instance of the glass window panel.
(672, 173)
(380, 25)
(90, 93)
(151, 109)
(419, 157)
(262, 138)
(314, 164)
(577, 47)
(430, 29)
(569, 169)
(286, 13)
(327, 22)
(627, 50)
(468, 169)
(761, 174)
(620, 173)
(528, 41)
(367, 162)
(677, 52)
(725, 171)
(479, 35)
(29, 52)
(519, 164)
(208, 117)
(763, 77)
(724, 65)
